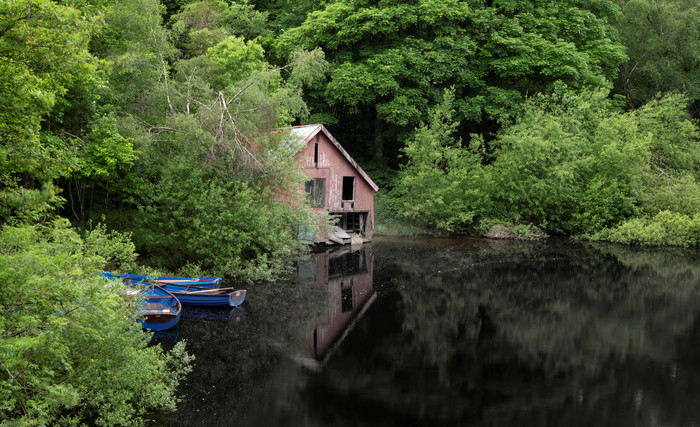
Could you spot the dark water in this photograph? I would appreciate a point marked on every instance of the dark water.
(456, 333)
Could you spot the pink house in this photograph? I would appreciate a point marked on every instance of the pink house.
(336, 183)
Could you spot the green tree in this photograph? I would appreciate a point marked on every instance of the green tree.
(71, 350)
(663, 44)
(138, 47)
(441, 185)
(286, 14)
(392, 60)
(43, 49)
(236, 59)
(202, 24)
(102, 161)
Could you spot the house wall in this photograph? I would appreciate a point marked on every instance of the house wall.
(333, 166)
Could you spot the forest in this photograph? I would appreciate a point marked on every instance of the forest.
(148, 135)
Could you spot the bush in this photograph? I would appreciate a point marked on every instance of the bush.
(70, 349)
(442, 186)
(665, 229)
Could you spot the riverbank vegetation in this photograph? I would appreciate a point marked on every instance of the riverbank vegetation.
(563, 117)
(164, 121)
(575, 166)
(70, 349)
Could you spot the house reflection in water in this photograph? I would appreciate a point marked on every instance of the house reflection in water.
(346, 273)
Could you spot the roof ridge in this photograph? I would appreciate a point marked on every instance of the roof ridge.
(342, 150)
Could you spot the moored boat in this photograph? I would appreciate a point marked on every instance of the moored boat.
(161, 309)
(202, 282)
(203, 297)
(212, 298)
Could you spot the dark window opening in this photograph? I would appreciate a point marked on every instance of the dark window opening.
(353, 221)
(349, 188)
(316, 191)
(316, 154)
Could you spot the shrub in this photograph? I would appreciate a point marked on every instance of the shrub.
(665, 229)
(70, 349)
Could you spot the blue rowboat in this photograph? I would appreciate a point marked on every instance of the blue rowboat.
(160, 309)
(202, 297)
(223, 297)
(203, 282)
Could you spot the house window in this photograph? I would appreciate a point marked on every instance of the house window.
(316, 191)
(349, 188)
(316, 154)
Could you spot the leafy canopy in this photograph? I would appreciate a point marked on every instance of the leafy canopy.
(663, 44)
(391, 60)
(43, 47)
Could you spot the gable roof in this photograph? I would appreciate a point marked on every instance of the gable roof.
(304, 134)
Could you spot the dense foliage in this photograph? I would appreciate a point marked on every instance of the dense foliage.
(391, 60)
(666, 228)
(168, 119)
(585, 165)
(194, 103)
(574, 165)
(70, 347)
(663, 44)
(43, 51)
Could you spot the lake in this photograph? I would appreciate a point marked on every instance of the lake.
(454, 332)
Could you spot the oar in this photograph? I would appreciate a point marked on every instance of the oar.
(209, 290)
(186, 286)
(152, 279)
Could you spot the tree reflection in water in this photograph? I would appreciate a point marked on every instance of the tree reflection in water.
(470, 332)
(519, 334)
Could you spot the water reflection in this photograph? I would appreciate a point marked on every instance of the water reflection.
(346, 275)
(531, 334)
(215, 314)
(458, 332)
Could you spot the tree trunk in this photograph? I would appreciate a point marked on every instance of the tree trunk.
(378, 138)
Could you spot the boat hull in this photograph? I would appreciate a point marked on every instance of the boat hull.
(192, 295)
(160, 310)
(202, 282)
(229, 299)
(158, 322)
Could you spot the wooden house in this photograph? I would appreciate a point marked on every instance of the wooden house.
(336, 183)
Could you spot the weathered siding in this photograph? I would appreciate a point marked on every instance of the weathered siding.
(333, 166)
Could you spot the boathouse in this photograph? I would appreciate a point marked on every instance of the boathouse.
(336, 183)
